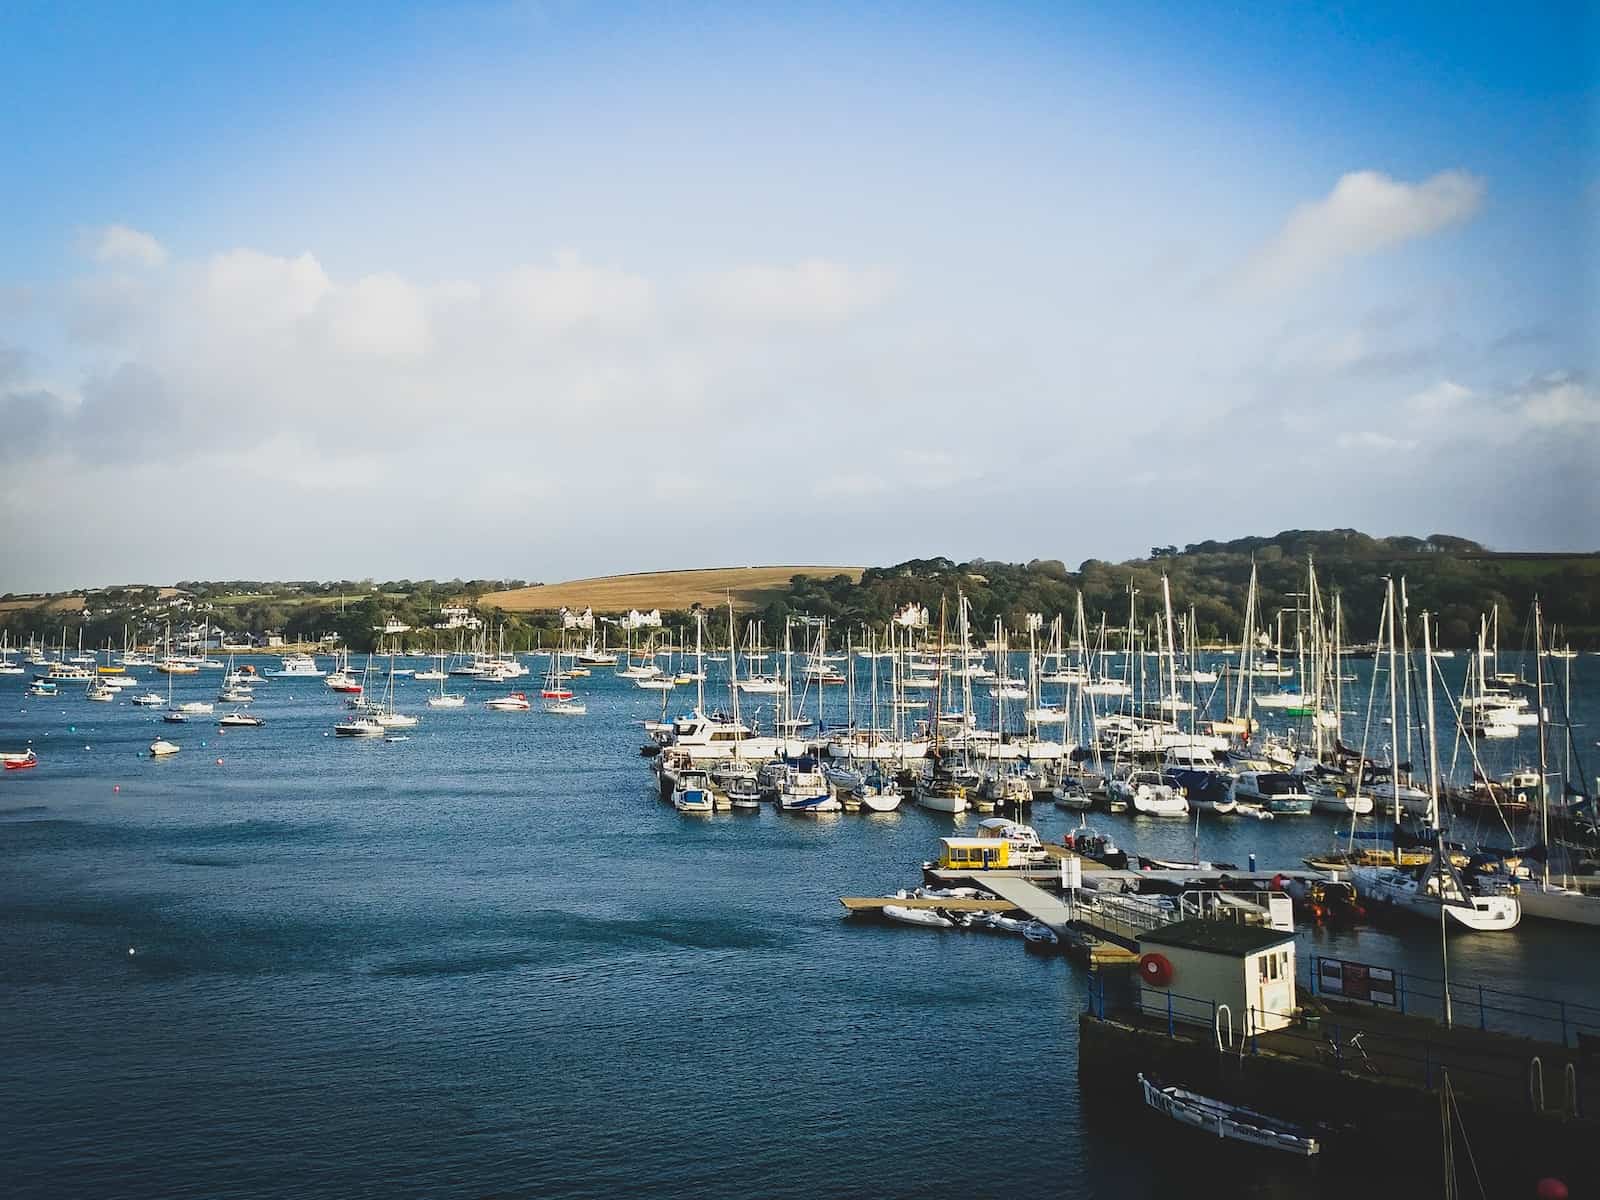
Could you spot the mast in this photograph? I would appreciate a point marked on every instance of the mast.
(1441, 867)
(1544, 768)
(1394, 719)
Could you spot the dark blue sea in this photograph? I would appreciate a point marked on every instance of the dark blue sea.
(487, 961)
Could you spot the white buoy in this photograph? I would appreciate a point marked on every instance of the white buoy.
(130, 951)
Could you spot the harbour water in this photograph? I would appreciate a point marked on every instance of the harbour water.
(487, 961)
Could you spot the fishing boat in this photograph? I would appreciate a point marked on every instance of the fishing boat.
(513, 702)
(19, 760)
(1229, 1121)
(161, 748)
(43, 687)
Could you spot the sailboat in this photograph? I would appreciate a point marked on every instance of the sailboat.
(1438, 893)
(444, 699)
(388, 717)
(556, 698)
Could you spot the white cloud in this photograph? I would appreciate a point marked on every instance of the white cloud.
(814, 290)
(1367, 211)
(1442, 397)
(1372, 442)
(380, 315)
(572, 293)
(118, 243)
(1557, 402)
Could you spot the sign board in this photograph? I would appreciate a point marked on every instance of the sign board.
(1356, 981)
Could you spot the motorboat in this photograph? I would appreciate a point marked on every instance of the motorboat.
(928, 918)
(44, 687)
(101, 691)
(513, 702)
(343, 681)
(805, 790)
(161, 748)
(19, 760)
(691, 792)
(761, 685)
(1146, 792)
(1277, 792)
(1229, 1121)
(149, 700)
(238, 719)
(195, 707)
(359, 727)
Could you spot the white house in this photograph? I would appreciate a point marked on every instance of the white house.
(458, 616)
(1196, 967)
(638, 620)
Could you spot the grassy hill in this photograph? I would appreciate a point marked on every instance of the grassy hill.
(750, 587)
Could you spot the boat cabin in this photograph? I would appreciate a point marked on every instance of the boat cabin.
(974, 854)
(1208, 963)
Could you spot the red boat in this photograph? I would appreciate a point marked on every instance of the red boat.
(20, 762)
(555, 694)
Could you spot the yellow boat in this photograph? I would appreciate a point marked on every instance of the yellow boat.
(112, 670)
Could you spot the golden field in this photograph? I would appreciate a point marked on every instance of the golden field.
(750, 587)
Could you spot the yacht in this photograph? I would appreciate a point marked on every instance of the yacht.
(703, 738)
(1439, 884)
(512, 702)
(298, 666)
(239, 719)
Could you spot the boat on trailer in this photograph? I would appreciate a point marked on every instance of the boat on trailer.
(1229, 1121)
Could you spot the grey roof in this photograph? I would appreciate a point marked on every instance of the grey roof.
(1216, 937)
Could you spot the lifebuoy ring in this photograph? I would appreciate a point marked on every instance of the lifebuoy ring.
(1155, 969)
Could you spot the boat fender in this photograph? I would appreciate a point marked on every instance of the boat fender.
(1155, 969)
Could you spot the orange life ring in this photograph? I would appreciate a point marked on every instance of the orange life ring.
(1155, 969)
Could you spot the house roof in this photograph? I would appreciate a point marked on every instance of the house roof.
(1216, 937)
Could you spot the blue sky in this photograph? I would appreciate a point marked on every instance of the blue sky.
(563, 289)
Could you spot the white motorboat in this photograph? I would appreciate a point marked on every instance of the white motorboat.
(298, 666)
(149, 700)
(805, 790)
(195, 707)
(161, 748)
(1229, 1121)
(447, 700)
(513, 702)
(929, 918)
(1277, 792)
(1146, 792)
(691, 792)
(761, 685)
(240, 720)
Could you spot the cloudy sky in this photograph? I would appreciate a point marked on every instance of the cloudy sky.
(557, 289)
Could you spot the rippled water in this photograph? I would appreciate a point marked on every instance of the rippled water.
(486, 961)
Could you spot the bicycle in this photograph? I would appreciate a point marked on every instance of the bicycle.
(1360, 1060)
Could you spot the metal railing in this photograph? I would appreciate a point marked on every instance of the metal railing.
(1489, 1008)
(1351, 1046)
